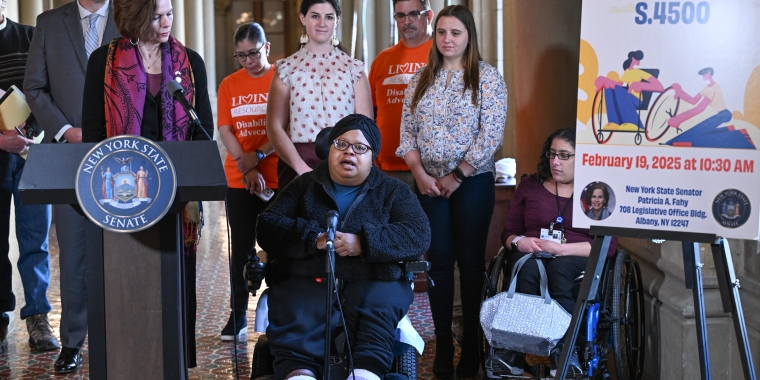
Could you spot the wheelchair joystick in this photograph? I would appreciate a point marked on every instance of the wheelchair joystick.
(254, 272)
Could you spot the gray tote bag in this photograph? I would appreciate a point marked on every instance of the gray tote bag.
(522, 322)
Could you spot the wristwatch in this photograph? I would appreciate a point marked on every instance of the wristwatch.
(260, 155)
(514, 243)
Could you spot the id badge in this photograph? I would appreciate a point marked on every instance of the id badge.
(551, 235)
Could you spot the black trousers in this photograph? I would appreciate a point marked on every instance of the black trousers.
(243, 208)
(297, 322)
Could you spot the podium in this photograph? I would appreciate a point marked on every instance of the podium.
(135, 282)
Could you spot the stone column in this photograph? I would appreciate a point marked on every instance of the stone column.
(178, 26)
(194, 25)
(11, 10)
(29, 10)
(209, 45)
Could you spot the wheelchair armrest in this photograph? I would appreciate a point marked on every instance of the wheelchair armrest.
(417, 267)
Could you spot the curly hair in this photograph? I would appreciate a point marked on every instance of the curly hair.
(543, 169)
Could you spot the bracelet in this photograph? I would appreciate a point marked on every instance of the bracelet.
(456, 178)
(459, 174)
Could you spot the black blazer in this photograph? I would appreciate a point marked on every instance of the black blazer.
(93, 102)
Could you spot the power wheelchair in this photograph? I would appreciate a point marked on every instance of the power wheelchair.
(404, 365)
(614, 322)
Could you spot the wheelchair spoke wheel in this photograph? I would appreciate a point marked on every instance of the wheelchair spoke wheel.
(496, 282)
(627, 327)
(599, 119)
(664, 107)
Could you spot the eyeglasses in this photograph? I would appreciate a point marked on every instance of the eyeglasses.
(358, 148)
(562, 155)
(413, 15)
(242, 57)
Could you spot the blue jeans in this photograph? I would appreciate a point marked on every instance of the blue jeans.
(32, 227)
(459, 234)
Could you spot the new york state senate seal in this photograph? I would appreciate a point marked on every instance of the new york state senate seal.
(126, 184)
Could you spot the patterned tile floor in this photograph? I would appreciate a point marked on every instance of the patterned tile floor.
(215, 359)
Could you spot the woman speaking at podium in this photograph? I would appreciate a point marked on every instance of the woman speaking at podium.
(126, 93)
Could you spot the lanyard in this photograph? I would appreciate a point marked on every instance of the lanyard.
(560, 218)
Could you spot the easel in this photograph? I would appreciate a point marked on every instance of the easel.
(727, 281)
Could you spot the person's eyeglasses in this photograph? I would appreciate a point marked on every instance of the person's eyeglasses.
(358, 148)
(242, 57)
(562, 155)
(413, 15)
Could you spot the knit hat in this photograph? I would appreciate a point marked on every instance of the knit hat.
(366, 125)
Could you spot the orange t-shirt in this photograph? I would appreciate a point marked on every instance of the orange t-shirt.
(242, 104)
(388, 78)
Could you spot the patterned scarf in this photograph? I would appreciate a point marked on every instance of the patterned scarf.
(126, 86)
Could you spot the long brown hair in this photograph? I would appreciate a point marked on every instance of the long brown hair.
(471, 57)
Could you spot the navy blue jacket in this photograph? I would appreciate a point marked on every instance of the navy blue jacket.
(386, 215)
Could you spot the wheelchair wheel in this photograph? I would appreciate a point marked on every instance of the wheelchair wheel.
(497, 281)
(261, 364)
(406, 363)
(599, 119)
(664, 107)
(627, 327)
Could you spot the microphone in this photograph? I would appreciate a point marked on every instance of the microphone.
(332, 225)
(178, 93)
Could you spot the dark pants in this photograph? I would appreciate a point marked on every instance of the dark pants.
(32, 225)
(242, 210)
(297, 322)
(459, 233)
(561, 273)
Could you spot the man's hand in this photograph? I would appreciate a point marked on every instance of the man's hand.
(13, 142)
(347, 244)
(247, 162)
(73, 135)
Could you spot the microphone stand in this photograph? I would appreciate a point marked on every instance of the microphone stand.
(330, 265)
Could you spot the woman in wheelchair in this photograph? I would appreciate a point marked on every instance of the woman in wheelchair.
(623, 96)
(540, 222)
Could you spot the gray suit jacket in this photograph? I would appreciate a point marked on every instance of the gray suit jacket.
(55, 70)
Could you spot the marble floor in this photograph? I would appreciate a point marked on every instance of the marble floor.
(215, 359)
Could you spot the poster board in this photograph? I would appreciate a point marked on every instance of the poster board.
(668, 116)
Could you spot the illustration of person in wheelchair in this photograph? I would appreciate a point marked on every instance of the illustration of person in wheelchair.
(709, 104)
(380, 227)
(618, 103)
(546, 253)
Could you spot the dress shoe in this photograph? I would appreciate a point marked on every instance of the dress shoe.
(70, 360)
(41, 336)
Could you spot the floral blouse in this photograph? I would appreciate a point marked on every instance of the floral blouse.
(444, 127)
(321, 90)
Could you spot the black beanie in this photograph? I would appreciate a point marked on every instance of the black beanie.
(366, 125)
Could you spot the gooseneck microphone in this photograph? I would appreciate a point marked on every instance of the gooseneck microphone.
(178, 93)
(332, 225)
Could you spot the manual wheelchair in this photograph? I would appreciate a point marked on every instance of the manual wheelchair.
(614, 322)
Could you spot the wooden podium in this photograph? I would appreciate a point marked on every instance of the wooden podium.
(135, 282)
